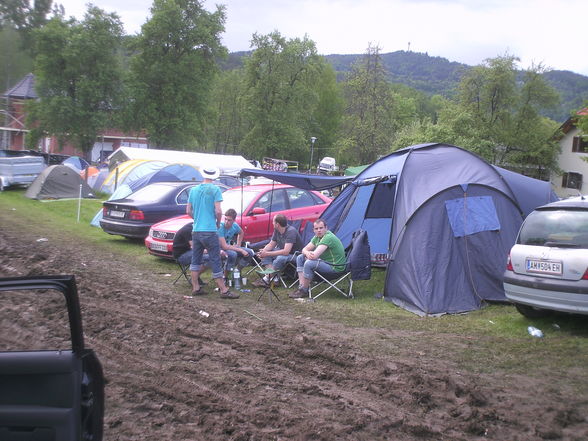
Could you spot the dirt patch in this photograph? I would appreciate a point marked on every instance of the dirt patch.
(260, 371)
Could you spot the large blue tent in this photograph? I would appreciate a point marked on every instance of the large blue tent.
(444, 218)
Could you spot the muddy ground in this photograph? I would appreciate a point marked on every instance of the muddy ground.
(260, 371)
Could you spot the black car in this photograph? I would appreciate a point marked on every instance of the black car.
(133, 216)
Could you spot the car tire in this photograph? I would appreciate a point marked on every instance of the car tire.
(532, 312)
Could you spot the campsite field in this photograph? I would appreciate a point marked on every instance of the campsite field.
(358, 369)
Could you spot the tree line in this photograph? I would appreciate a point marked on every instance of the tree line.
(166, 82)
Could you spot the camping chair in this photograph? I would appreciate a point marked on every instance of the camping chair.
(184, 271)
(358, 267)
(290, 268)
(274, 277)
(257, 266)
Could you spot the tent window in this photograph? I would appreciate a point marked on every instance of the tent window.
(382, 201)
(472, 215)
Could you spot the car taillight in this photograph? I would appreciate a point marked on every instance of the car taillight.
(509, 264)
(136, 215)
(585, 276)
(104, 211)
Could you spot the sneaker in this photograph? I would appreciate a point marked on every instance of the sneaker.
(199, 292)
(298, 294)
(228, 294)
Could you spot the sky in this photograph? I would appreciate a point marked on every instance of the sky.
(547, 32)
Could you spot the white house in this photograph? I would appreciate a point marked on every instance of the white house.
(573, 160)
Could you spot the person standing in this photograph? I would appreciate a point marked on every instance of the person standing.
(324, 253)
(204, 207)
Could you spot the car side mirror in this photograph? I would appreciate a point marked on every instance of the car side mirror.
(257, 210)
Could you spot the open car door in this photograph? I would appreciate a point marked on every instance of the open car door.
(53, 393)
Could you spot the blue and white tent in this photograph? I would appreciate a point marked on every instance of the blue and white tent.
(445, 218)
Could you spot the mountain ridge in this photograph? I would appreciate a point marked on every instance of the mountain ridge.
(437, 75)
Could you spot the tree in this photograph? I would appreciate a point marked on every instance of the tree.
(172, 72)
(368, 124)
(281, 96)
(77, 77)
(14, 61)
(497, 115)
(327, 117)
(228, 124)
(26, 17)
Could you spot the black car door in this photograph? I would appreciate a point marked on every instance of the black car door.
(47, 394)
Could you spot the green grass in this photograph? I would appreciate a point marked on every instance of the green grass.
(494, 337)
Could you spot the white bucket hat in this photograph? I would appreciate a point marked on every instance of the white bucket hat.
(210, 172)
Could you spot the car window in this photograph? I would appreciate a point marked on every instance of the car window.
(299, 198)
(151, 192)
(182, 198)
(317, 200)
(272, 201)
(557, 227)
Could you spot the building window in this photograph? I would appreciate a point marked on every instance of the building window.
(572, 180)
(580, 145)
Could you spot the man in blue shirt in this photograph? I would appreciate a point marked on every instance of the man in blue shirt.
(204, 206)
(230, 236)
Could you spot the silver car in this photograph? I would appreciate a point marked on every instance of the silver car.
(547, 268)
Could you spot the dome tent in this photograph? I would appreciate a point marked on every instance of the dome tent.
(58, 182)
(445, 218)
(129, 171)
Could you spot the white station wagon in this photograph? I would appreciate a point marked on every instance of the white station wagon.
(547, 268)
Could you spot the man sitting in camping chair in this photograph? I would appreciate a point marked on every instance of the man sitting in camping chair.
(281, 249)
(230, 237)
(324, 254)
(182, 251)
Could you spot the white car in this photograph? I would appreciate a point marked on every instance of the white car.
(547, 268)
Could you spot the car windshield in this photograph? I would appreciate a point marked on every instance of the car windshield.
(232, 199)
(150, 193)
(567, 228)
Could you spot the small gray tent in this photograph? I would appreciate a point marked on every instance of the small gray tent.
(58, 182)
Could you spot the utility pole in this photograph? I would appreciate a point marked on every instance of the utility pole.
(312, 140)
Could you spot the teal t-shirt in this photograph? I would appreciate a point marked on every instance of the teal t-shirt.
(335, 252)
(229, 233)
(202, 197)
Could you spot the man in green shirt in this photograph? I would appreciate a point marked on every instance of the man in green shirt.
(324, 254)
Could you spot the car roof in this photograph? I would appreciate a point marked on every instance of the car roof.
(575, 202)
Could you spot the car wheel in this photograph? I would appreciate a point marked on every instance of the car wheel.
(532, 312)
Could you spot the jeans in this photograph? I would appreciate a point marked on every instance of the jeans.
(307, 268)
(234, 257)
(278, 262)
(206, 240)
(186, 258)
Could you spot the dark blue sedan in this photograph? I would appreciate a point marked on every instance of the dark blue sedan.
(133, 216)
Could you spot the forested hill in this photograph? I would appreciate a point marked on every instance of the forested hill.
(437, 75)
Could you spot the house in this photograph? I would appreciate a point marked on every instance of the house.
(14, 130)
(572, 160)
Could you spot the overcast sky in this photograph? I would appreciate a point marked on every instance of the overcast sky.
(551, 32)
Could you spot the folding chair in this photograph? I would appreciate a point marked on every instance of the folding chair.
(357, 267)
(257, 266)
(184, 271)
(269, 285)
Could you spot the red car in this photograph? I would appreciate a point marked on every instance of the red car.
(256, 205)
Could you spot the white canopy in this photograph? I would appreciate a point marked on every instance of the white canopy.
(227, 164)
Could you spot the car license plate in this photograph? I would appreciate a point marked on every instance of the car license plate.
(159, 247)
(114, 213)
(544, 267)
